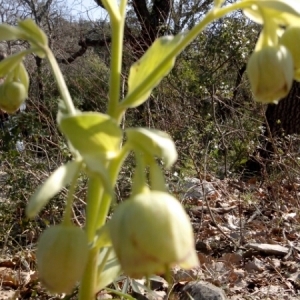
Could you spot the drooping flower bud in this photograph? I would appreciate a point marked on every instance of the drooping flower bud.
(270, 72)
(151, 232)
(62, 255)
(291, 40)
(12, 95)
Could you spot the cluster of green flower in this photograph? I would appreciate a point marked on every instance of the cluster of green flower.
(15, 80)
(275, 63)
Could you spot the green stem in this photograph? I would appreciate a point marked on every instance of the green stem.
(116, 164)
(94, 200)
(268, 35)
(112, 9)
(95, 192)
(169, 280)
(139, 182)
(98, 203)
(103, 210)
(113, 170)
(157, 178)
(117, 27)
(68, 211)
(87, 288)
(187, 38)
(120, 294)
(64, 92)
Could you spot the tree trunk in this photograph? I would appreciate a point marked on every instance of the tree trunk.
(282, 119)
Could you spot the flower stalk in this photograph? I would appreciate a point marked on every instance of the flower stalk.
(151, 218)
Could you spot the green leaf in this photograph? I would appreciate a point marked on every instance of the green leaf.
(9, 64)
(95, 164)
(53, 184)
(22, 75)
(102, 237)
(111, 269)
(284, 12)
(33, 31)
(63, 111)
(34, 35)
(154, 143)
(93, 134)
(147, 72)
(9, 33)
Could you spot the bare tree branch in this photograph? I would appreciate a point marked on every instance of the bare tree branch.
(44, 9)
(75, 55)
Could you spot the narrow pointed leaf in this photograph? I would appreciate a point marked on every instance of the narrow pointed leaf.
(8, 64)
(147, 72)
(153, 142)
(33, 32)
(52, 186)
(111, 269)
(22, 75)
(92, 134)
(102, 237)
(9, 33)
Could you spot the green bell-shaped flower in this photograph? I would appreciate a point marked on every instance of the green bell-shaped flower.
(62, 255)
(291, 40)
(151, 232)
(12, 95)
(270, 72)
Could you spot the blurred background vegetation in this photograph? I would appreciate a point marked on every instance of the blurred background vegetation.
(205, 103)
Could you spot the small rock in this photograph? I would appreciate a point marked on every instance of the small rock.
(179, 274)
(201, 290)
(196, 189)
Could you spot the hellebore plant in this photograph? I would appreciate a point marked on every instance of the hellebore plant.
(149, 232)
